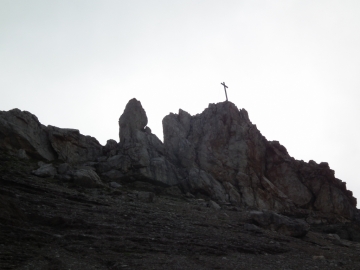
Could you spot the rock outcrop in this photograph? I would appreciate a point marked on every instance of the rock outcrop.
(22, 134)
(86, 177)
(45, 170)
(218, 153)
(139, 154)
(279, 223)
(132, 121)
(226, 157)
(71, 146)
(21, 131)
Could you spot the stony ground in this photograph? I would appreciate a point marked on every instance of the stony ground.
(48, 224)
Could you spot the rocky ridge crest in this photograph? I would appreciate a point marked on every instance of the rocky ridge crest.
(218, 154)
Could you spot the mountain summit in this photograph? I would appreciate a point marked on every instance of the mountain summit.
(218, 154)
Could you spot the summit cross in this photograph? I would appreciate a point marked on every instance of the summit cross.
(223, 83)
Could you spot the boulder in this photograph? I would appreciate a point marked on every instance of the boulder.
(201, 182)
(63, 168)
(21, 153)
(114, 185)
(252, 228)
(64, 172)
(213, 205)
(282, 224)
(45, 170)
(86, 178)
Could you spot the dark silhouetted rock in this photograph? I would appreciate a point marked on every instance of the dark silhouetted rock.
(71, 146)
(214, 205)
(114, 185)
(86, 178)
(21, 130)
(63, 168)
(279, 223)
(141, 152)
(225, 157)
(218, 154)
(110, 148)
(252, 227)
(45, 170)
(214, 160)
(132, 120)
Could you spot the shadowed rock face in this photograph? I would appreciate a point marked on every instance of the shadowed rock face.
(22, 133)
(227, 150)
(71, 146)
(133, 119)
(226, 157)
(141, 152)
(218, 153)
(21, 130)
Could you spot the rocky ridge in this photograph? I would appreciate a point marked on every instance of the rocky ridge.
(215, 195)
(219, 154)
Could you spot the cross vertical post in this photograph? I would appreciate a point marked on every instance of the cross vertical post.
(223, 83)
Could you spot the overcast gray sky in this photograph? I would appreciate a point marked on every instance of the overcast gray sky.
(293, 65)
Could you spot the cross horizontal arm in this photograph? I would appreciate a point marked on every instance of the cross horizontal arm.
(224, 85)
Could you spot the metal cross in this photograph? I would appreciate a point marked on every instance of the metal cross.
(223, 83)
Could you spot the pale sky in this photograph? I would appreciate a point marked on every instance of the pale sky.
(293, 65)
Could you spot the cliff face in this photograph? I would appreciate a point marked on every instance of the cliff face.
(142, 150)
(21, 133)
(218, 153)
(225, 156)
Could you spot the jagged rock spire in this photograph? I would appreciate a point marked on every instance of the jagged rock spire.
(134, 118)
